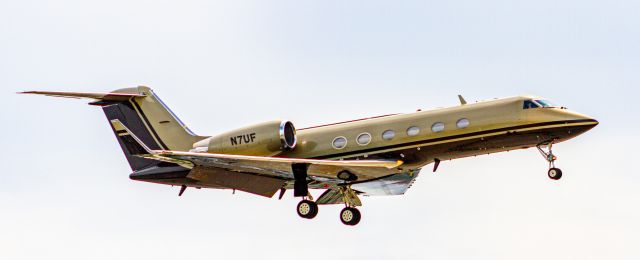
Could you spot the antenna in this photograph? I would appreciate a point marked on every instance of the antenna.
(462, 101)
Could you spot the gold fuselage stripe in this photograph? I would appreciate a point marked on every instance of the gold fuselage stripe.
(454, 138)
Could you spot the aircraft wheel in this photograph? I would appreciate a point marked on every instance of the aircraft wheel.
(307, 209)
(554, 173)
(350, 216)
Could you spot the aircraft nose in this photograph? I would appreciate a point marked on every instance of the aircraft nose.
(578, 117)
(585, 118)
(568, 115)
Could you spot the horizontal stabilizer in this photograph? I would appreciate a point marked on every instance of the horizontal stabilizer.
(95, 96)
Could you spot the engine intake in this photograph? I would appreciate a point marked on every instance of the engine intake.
(288, 135)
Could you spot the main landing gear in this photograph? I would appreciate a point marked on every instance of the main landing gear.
(553, 173)
(350, 216)
(308, 209)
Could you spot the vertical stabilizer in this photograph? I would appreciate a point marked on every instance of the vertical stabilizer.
(144, 115)
(167, 130)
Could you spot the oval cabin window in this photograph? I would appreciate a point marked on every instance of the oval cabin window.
(413, 131)
(363, 139)
(339, 142)
(388, 135)
(437, 127)
(462, 123)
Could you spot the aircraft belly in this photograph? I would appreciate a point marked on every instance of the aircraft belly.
(396, 184)
(510, 141)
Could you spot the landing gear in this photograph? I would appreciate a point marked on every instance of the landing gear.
(553, 173)
(307, 209)
(350, 216)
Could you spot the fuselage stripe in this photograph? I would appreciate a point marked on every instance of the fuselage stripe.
(448, 138)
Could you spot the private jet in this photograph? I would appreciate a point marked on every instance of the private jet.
(374, 156)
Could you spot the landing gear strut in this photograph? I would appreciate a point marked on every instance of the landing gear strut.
(350, 216)
(306, 208)
(553, 173)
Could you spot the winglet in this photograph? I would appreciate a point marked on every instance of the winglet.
(131, 142)
(462, 101)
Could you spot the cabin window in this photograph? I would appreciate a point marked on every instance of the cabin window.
(388, 135)
(339, 142)
(529, 104)
(363, 139)
(413, 131)
(437, 127)
(462, 123)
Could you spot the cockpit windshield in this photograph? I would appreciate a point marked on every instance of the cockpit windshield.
(538, 103)
(530, 104)
(545, 103)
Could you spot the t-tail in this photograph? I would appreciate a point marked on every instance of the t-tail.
(146, 117)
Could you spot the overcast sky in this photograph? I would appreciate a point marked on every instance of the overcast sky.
(64, 187)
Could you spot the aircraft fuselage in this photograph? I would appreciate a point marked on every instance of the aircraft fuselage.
(491, 126)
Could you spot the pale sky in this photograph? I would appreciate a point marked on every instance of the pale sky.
(65, 191)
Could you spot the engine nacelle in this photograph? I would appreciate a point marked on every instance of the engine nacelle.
(266, 139)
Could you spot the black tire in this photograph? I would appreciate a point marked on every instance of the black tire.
(350, 216)
(307, 209)
(554, 173)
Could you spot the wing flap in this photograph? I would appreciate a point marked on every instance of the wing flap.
(256, 184)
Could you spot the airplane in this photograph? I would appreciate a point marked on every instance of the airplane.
(374, 156)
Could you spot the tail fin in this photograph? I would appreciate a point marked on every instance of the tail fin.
(145, 116)
(132, 143)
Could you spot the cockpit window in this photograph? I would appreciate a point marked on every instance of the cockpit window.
(545, 103)
(530, 104)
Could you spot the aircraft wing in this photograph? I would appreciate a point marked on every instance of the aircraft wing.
(364, 169)
(260, 165)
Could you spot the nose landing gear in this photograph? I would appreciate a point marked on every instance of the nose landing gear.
(553, 173)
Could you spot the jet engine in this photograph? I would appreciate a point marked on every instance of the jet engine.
(265, 139)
